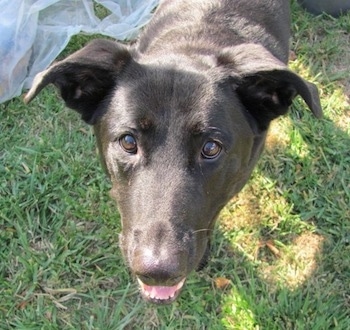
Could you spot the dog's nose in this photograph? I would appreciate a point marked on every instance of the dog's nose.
(157, 269)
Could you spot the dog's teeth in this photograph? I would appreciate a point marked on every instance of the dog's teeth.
(159, 292)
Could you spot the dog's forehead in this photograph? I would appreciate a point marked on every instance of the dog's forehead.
(163, 97)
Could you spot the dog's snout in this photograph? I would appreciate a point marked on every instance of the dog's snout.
(154, 269)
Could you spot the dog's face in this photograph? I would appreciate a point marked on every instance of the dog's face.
(177, 144)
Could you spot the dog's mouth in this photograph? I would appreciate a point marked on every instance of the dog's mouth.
(160, 294)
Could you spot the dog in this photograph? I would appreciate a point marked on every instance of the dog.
(180, 118)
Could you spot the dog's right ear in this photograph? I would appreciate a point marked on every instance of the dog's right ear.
(86, 77)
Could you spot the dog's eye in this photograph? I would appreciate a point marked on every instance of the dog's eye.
(211, 150)
(128, 143)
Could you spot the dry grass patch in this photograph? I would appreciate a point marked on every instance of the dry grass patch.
(295, 263)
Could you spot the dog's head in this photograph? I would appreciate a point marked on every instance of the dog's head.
(177, 141)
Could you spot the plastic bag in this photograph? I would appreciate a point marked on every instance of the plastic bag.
(34, 32)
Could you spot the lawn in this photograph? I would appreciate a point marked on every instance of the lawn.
(281, 253)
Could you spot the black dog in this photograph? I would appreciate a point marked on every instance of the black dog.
(180, 119)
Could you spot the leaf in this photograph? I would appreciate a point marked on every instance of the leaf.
(222, 283)
(271, 246)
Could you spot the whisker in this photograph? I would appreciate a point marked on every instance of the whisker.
(201, 230)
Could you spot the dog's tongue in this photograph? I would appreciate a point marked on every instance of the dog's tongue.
(160, 292)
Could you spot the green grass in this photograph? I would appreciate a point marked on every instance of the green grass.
(282, 247)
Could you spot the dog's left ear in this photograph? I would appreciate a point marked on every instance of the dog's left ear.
(265, 85)
(86, 77)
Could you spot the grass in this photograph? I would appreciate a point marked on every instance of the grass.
(281, 254)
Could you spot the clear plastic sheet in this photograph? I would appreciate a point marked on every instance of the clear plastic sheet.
(34, 32)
